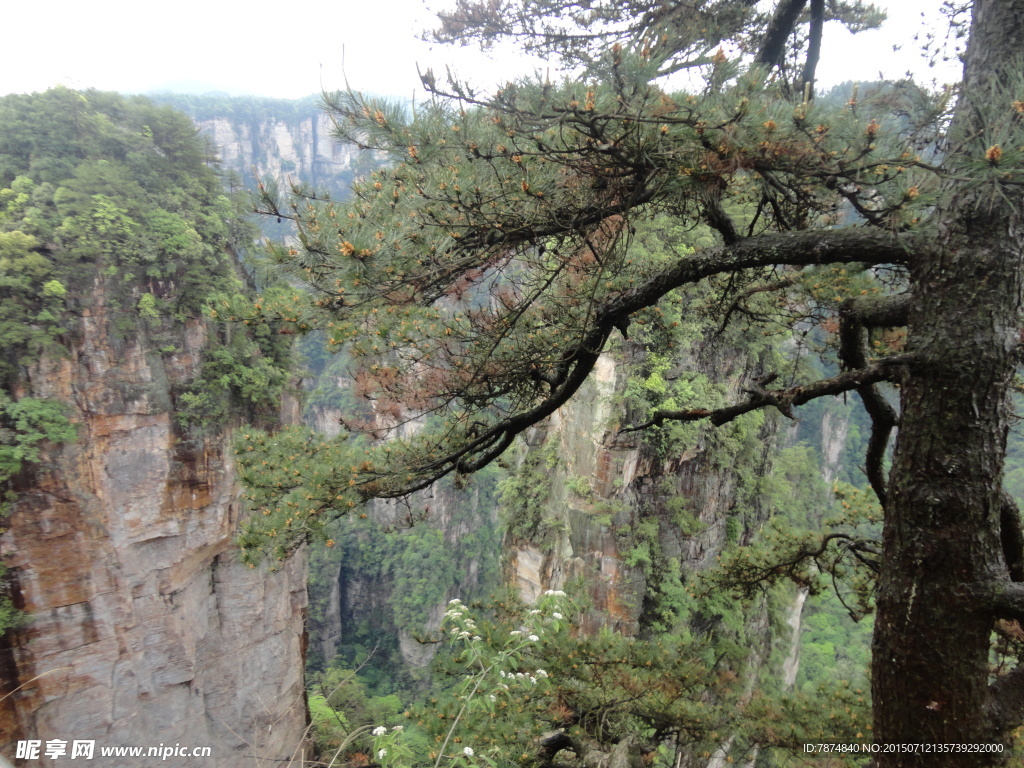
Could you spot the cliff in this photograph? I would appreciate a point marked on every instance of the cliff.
(276, 138)
(626, 515)
(301, 148)
(143, 627)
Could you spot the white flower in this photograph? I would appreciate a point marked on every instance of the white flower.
(501, 672)
(533, 638)
(467, 751)
(555, 593)
(463, 633)
(398, 728)
(476, 637)
(557, 615)
(516, 632)
(456, 601)
(492, 697)
(381, 753)
(541, 673)
(380, 730)
(533, 680)
(520, 675)
(535, 611)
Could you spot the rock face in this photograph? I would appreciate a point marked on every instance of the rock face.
(143, 626)
(300, 148)
(602, 489)
(583, 547)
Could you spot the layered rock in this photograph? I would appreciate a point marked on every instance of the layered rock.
(143, 626)
(603, 486)
(301, 149)
(584, 547)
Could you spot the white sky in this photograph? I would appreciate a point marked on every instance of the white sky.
(258, 47)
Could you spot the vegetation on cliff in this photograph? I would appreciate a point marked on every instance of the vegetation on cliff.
(111, 209)
(111, 199)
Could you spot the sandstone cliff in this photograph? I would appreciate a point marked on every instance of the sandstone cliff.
(286, 140)
(301, 148)
(143, 626)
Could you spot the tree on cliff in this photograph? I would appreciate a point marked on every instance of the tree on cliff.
(479, 276)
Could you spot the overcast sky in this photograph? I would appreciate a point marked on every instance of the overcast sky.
(262, 48)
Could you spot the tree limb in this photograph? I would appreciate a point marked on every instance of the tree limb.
(855, 316)
(784, 399)
(718, 219)
(779, 29)
(814, 43)
(804, 248)
(1003, 599)
(871, 246)
(878, 311)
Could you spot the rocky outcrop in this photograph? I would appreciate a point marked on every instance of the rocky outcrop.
(143, 626)
(603, 486)
(584, 546)
(301, 148)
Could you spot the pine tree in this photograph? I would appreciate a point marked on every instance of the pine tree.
(478, 276)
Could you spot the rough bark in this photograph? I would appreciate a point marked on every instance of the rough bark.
(930, 671)
(773, 49)
(814, 42)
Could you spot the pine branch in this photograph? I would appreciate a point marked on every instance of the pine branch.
(814, 42)
(794, 248)
(779, 29)
(855, 317)
(783, 399)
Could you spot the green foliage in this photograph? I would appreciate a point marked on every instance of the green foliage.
(520, 681)
(580, 486)
(147, 306)
(340, 706)
(797, 545)
(31, 300)
(833, 646)
(292, 476)
(235, 379)
(524, 494)
(113, 183)
(410, 572)
(422, 570)
(24, 425)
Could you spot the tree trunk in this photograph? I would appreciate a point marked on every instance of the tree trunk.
(930, 667)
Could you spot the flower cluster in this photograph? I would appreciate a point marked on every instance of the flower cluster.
(501, 670)
(390, 747)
